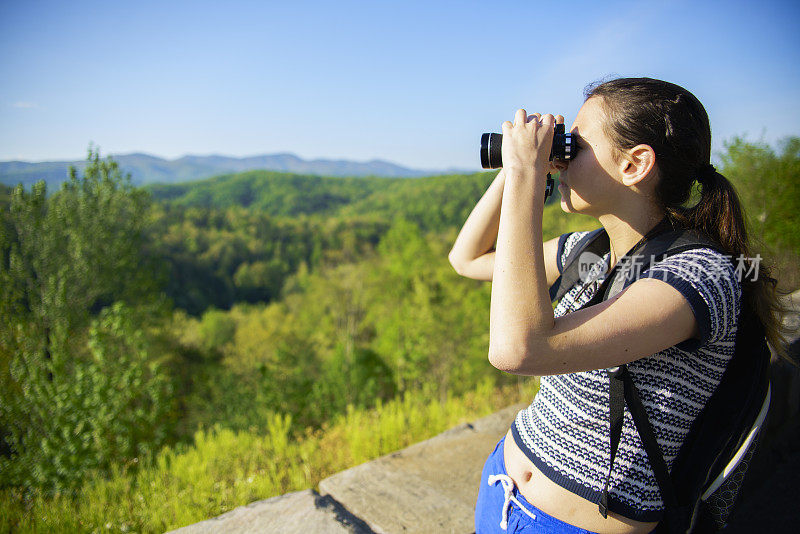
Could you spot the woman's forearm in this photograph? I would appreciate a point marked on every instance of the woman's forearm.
(520, 303)
(479, 232)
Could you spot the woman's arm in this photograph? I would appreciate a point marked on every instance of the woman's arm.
(617, 331)
(473, 253)
(520, 304)
(524, 336)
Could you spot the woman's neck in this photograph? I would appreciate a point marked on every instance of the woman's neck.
(625, 230)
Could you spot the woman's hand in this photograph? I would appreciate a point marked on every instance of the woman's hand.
(528, 141)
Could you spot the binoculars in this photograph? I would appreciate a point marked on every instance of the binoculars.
(491, 156)
(564, 148)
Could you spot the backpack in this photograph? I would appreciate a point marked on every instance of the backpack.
(700, 491)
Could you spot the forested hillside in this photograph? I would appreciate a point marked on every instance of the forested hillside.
(169, 353)
(236, 238)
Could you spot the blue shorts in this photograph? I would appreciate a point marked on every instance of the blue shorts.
(501, 505)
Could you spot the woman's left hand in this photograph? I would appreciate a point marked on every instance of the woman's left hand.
(528, 141)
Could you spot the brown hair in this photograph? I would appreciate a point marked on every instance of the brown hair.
(674, 123)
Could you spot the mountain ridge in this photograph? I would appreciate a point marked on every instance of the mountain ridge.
(149, 169)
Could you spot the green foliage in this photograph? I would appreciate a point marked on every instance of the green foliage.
(76, 386)
(281, 195)
(768, 184)
(274, 193)
(220, 252)
(352, 377)
(325, 327)
(216, 258)
(216, 329)
(5, 196)
(68, 256)
(354, 333)
(224, 469)
(95, 412)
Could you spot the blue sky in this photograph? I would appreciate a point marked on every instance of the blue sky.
(411, 82)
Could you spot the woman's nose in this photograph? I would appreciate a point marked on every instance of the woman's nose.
(560, 164)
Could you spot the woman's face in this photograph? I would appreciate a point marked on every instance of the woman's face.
(590, 182)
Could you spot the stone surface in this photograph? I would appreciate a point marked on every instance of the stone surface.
(301, 512)
(431, 486)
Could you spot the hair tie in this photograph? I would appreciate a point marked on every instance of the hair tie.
(705, 172)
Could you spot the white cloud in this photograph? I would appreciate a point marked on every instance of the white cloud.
(25, 105)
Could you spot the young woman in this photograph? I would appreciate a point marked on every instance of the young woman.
(643, 144)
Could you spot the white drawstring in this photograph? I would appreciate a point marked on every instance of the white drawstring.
(508, 487)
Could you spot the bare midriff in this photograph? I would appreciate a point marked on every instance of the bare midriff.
(560, 503)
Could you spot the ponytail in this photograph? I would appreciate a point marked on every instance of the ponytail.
(719, 215)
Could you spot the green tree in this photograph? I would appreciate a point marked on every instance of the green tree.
(217, 329)
(768, 184)
(78, 289)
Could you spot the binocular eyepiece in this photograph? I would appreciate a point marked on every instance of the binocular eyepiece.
(563, 148)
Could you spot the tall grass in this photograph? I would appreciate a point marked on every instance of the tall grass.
(224, 469)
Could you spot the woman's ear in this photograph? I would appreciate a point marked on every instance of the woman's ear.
(637, 164)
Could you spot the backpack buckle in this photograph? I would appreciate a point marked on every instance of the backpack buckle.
(603, 504)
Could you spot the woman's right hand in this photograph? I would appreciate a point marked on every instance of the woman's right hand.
(527, 143)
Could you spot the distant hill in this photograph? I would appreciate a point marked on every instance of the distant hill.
(147, 169)
(272, 192)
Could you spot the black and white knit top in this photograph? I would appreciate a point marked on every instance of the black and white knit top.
(565, 430)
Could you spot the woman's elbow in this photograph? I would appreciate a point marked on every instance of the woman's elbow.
(456, 264)
(502, 362)
(515, 362)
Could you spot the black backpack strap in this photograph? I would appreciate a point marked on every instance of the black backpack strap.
(648, 437)
(616, 402)
(622, 391)
(596, 242)
(632, 266)
(663, 240)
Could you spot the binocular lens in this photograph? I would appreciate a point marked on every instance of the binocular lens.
(491, 158)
